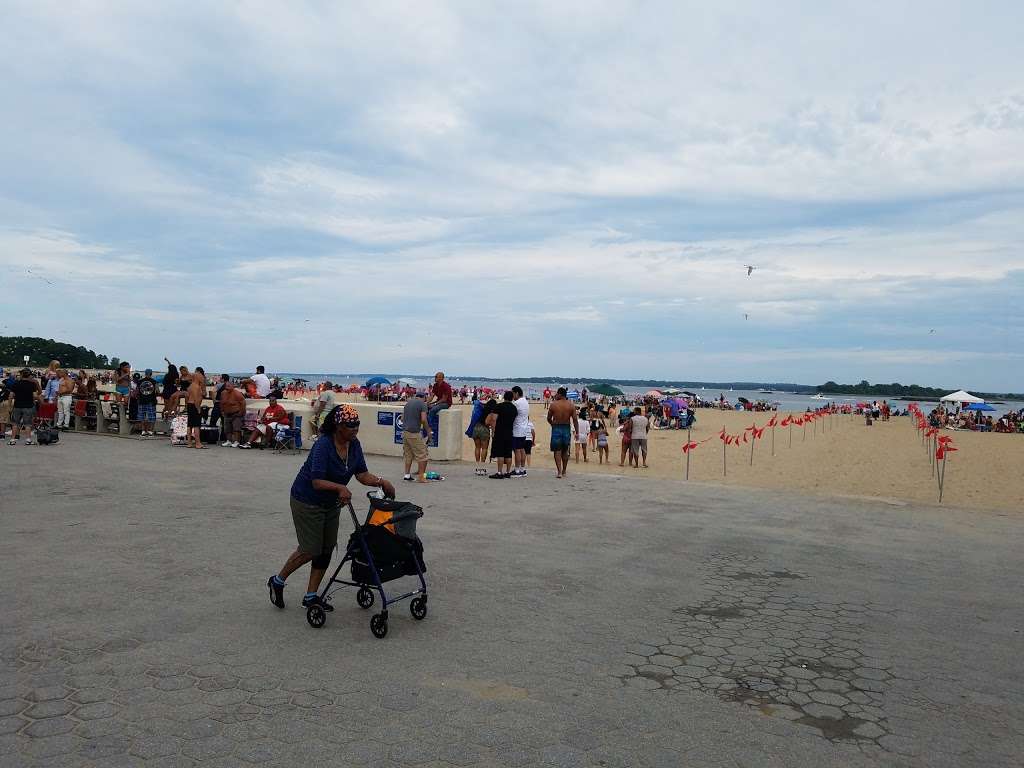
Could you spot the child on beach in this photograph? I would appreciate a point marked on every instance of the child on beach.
(582, 436)
(531, 438)
(602, 445)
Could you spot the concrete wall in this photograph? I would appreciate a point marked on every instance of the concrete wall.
(377, 428)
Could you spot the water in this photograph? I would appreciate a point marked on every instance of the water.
(787, 401)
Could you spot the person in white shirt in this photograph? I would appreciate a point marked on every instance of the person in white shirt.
(520, 431)
(262, 382)
(638, 441)
(582, 436)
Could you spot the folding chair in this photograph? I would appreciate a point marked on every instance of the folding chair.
(289, 438)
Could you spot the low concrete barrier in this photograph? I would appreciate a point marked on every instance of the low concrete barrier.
(380, 428)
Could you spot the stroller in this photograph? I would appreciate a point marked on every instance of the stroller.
(382, 549)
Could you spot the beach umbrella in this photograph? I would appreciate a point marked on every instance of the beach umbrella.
(671, 391)
(605, 389)
(653, 393)
(743, 400)
(979, 407)
(573, 395)
(375, 381)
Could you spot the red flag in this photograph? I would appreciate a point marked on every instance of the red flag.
(744, 436)
(771, 422)
(786, 421)
(689, 447)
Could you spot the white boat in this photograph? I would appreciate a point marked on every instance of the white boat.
(818, 396)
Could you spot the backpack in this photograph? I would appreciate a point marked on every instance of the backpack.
(47, 436)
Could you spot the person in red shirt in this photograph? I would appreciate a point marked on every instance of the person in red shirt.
(440, 396)
(547, 397)
(273, 417)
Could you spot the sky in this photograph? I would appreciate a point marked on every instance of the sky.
(525, 189)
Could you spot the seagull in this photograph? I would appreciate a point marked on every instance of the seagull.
(932, 331)
(746, 316)
(750, 268)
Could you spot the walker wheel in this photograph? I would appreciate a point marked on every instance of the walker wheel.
(316, 616)
(418, 608)
(379, 625)
(364, 597)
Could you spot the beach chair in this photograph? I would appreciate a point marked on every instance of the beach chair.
(289, 439)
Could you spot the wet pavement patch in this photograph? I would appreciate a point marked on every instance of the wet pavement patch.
(789, 655)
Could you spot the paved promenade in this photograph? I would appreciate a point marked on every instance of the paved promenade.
(594, 621)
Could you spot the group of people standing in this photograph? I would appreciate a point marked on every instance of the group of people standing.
(503, 432)
(507, 428)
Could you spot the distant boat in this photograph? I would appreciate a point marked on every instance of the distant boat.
(818, 396)
(766, 391)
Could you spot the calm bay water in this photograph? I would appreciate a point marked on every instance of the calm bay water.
(787, 401)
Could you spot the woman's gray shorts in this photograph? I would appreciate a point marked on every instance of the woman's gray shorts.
(316, 528)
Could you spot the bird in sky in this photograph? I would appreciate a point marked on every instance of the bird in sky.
(39, 277)
(750, 268)
(932, 331)
(746, 316)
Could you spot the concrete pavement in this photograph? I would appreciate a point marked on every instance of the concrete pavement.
(594, 621)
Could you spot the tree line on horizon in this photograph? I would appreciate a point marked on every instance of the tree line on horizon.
(903, 390)
(41, 351)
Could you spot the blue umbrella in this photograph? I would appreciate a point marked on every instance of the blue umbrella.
(979, 407)
(374, 381)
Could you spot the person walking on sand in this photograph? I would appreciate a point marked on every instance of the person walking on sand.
(563, 421)
(414, 445)
(547, 397)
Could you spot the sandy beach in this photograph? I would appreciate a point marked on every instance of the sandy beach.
(886, 460)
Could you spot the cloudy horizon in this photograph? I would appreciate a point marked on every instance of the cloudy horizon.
(519, 191)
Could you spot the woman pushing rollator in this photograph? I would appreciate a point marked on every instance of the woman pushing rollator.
(317, 495)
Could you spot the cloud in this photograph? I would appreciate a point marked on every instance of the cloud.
(416, 179)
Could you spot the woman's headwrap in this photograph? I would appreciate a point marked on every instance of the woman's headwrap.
(346, 416)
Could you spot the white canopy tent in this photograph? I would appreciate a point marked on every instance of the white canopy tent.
(961, 397)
